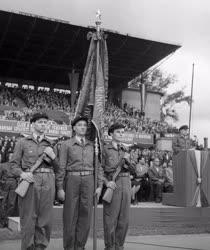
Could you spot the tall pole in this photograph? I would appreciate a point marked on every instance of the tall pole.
(192, 83)
(98, 28)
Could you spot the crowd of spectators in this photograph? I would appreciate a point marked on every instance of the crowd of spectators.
(33, 100)
(42, 99)
(18, 115)
(145, 185)
(7, 145)
(134, 122)
(8, 96)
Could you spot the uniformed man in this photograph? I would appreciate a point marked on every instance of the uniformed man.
(75, 183)
(9, 184)
(116, 213)
(182, 141)
(36, 207)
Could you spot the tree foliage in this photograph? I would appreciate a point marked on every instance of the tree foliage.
(158, 81)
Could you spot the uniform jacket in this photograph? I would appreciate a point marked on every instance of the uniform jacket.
(111, 156)
(154, 174)
(75, 157)
(180, 142)
(26, 153)
(168, 175)
(141, 170)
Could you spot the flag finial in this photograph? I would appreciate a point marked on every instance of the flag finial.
(98, 20)
(98, 15)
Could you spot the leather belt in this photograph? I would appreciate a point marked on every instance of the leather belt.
(80, 173)
(124, 174)
(42, 170)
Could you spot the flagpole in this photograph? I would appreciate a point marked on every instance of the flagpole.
(98, 28)
(192, 83)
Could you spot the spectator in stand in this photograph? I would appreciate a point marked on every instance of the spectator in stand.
(34, 100)
(157, 179)
(7, 96)
(168, 176)
(135, 183)
(142, 176)
(133, 122)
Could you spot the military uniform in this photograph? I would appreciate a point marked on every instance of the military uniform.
(76, 177)
(36, 207)
(180, 143)
(116, 213)
(8, 185)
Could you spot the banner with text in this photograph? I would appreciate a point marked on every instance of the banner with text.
(24, 127)
(134, 138)
(9, 126)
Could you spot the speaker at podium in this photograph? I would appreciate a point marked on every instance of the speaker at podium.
(191, 180)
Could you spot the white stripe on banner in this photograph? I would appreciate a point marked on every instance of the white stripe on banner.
(198, 164)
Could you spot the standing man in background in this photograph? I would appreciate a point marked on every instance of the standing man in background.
(36, 207)
(182, 142)
(75, 183)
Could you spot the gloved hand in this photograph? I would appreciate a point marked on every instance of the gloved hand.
(112, 185)
(28, 176)
(49, 152)
(126, 156)
(98, 192)
(61, 194)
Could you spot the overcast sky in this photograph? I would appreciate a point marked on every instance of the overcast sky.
(184, 22)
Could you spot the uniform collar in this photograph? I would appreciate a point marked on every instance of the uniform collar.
(78, 138)
(31, 137)
(184, 136)
(112, 145)
(77, 141)
(41, 137)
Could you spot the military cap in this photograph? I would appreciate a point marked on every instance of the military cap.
(77, 119)
(115, 126)
(183, 127)
(37, 116)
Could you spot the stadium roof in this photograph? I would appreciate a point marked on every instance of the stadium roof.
(38, 49)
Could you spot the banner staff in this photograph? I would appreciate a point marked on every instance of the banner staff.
(191, 99)
(98, 29)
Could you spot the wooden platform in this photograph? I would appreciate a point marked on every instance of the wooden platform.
(149, 215)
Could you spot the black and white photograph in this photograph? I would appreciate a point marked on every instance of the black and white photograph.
(104, 125)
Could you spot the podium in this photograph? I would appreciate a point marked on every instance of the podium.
(191, 180)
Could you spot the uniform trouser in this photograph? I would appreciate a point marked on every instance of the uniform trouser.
(11, 197)
(36, 212)
(77, 211)
(116, 215)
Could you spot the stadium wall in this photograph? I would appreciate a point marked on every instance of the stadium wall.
(152, 106)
